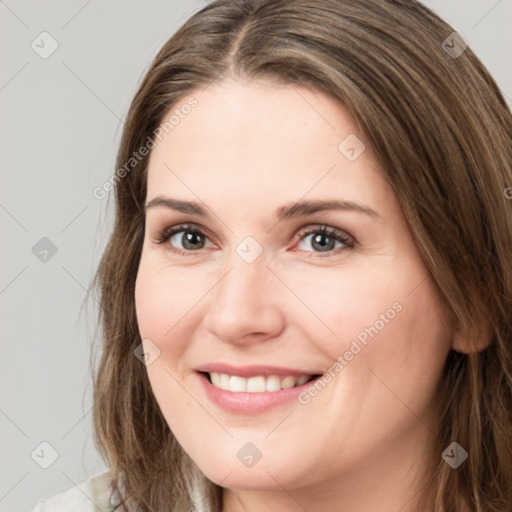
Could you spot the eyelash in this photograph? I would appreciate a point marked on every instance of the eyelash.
(338, 235)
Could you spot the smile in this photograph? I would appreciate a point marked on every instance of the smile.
(253, 389)
(257, 384)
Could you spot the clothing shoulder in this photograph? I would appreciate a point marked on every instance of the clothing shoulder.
(92, 495)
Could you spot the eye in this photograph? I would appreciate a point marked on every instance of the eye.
(191, 238)
(323, 239)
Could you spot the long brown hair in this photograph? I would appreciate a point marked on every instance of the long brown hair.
(442, 133)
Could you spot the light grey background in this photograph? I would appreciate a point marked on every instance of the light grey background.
(61, 121)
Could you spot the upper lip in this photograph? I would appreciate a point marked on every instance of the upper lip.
(253, 370)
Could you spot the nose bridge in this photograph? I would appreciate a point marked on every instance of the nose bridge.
(246, 266)
(244, 284)
(242, 302)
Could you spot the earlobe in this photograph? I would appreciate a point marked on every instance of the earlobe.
(473, 341)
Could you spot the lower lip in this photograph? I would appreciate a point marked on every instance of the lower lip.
(250, 403)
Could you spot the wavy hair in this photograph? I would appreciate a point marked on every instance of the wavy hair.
(442, 133)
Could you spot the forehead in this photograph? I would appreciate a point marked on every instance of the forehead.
(252, 142)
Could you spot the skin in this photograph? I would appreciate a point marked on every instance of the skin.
(364, 442)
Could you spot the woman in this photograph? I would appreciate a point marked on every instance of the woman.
(306, 299)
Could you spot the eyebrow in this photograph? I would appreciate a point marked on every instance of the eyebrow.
(288, 211)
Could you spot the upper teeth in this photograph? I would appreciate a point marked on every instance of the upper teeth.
(258, 384)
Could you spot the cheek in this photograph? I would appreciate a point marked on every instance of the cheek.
(164, 302)
(158, 313)
(162, 319)
(387, 318)
(401, 343)
(165, 315)
(346, 304)
(419, 339)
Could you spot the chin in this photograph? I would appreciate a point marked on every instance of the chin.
(268, 473)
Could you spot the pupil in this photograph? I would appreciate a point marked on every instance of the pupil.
(323, 246)
(190, 240)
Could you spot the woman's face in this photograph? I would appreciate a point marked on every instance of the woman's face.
(257, 295)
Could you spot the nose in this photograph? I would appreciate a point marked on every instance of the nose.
(243, 307)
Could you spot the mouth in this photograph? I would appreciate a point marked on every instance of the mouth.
(256, 384)
(253, 389)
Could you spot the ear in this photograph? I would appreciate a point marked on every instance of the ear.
(475, 340)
